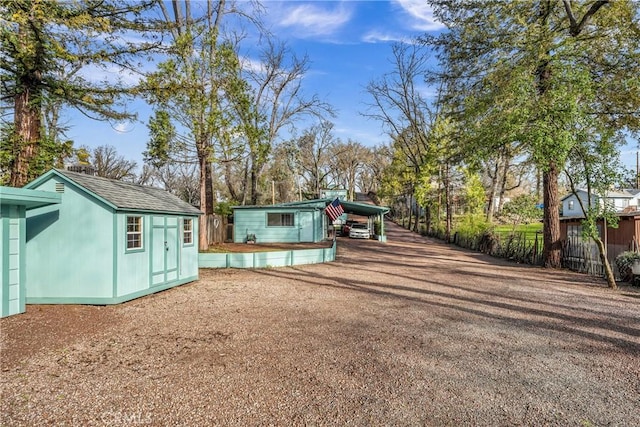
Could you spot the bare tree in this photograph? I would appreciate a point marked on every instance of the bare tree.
(198, 84)
(280, 101)
(314, 158)
(109, 164)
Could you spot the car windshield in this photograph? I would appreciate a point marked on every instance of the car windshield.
(363, 226)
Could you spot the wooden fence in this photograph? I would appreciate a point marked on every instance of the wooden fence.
(220, 230)
(519, 247)
(584, 257)
(577, 255)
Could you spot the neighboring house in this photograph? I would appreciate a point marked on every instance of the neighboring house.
(332, 194)
(582, 255)
(621, 200)
(14, 204)
(107, 241)
(282, 223)
(295, 222)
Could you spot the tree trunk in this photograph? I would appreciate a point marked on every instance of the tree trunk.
(203, 229)
(27, 134)
(608, 272)
(206, 196)
(228, 178)
(409, 226)
(551, 223)
(448, 204)
(493, 191)
(503, 179)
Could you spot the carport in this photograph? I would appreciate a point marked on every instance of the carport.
(372, 212)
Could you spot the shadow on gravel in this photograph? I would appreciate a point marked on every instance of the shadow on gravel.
(531, 325)
(433, 274)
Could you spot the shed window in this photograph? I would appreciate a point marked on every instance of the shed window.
(570, 205)
(134, 232)
(187, 231)
(280, 219)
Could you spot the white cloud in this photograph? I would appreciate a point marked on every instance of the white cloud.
(422, 14)
(252, 65)
(307, 20)
(110, 74)
(376, 36)
(123, 127)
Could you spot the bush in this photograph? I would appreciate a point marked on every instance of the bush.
(376, 228)
(471, 225)
(624, 262)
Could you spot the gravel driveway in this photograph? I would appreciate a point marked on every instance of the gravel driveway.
(411, 332)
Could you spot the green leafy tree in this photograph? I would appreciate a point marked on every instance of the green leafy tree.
(44, 46)
(521, 209)
(200, 98)
(594, 162)
(474, 194)
(570, 61)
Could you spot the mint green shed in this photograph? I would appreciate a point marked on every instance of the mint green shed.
(14, 203)
(297, 222)
(107, 241)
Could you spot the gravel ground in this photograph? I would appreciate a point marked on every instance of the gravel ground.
(411, 332)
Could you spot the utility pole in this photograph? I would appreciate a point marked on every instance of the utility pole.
(637, 169)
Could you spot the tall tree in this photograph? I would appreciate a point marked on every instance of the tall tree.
(553, 50)
(195, 87)
(313, 157)
(39, 40)
(400, 105)
(350, 159)
(109, 164)
(278, 101)
(371, 176)
(593, 163)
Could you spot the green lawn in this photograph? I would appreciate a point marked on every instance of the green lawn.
(522, 228)
(529, 231)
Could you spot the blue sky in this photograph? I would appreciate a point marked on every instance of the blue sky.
(348, 44)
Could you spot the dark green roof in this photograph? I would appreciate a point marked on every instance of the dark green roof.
(355, 208)
(127, 196)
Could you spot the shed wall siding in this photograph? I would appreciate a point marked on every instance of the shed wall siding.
(12, 293)
(70, 248)
(189, 252)
(135, 268)
(255, 222)
(308, 226)
(132, 267)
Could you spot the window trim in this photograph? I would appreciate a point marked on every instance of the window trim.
(281, 215)
(188, 232)
(128, 233)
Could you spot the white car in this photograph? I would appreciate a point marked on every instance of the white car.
(359, 231)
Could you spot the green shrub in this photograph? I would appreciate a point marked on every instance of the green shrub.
(376, 227)
(471, 225)
(624, 262)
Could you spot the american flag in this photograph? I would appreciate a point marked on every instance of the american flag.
(334, 209)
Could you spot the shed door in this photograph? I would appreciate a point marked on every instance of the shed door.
(165, 250)
(306, 227)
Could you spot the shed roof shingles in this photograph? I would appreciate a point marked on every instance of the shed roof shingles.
(124, 195)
